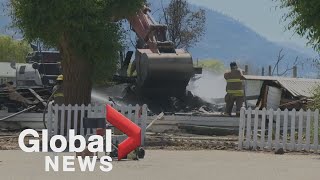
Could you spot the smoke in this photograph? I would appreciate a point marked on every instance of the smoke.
(208, 86)
(99, 97)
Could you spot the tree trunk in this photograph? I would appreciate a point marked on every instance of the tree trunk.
(77, 73)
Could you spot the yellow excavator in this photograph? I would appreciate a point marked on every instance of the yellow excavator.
(161, 69)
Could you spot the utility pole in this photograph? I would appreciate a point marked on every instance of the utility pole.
(270, 71)
(295, 72)
(246, 69)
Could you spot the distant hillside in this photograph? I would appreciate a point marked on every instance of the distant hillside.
(226, 39)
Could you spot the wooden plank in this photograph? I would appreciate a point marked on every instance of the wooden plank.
(316, 129)
(81, 119)
(300, 130)
(94, 114)
(277, 138)
(62, 119)
(248, 134)
(241, 128)
(137, 114)
(130, 113)
(69, 109)
(270, 129)
(143, 124)
(123, 110)
(263, 128)
(285, 129)
(308, 128)
(38, 97)
(293, 130)
(89, 116)
(75, 118)
(56, 119)
(255, 128)
(49, 120)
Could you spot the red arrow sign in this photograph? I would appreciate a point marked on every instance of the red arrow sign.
(126, 126)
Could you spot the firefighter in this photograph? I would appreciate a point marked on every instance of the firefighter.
(235, 91)
(58, 91)
(58, 99)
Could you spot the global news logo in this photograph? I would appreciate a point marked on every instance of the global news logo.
(96, 144)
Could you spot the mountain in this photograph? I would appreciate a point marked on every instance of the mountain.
(227, 39)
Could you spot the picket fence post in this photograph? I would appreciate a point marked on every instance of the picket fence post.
(270, 129)
(255, 128)
(263, 128)
(277, 138)
(248, 134)
(241, 128)
(285, 129)
(316, 131)
(304, 128)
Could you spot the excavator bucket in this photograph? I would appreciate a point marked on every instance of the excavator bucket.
(163, 73)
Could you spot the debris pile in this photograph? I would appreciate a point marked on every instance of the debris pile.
(126, 94)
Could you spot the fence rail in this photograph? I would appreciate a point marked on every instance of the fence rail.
(269, 130)
(73, 117)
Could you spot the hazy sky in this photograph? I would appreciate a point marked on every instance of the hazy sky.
(259, 15)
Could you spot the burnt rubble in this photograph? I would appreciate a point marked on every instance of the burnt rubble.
(126, 94)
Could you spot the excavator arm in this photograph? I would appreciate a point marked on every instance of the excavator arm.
(161, 69)
(152, 34)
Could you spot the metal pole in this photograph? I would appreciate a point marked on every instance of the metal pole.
(270, 69)
(18, 113)
(295, 72)
(246, 70)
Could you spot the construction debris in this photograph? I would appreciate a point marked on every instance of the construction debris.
(160, 116)
(282, 92)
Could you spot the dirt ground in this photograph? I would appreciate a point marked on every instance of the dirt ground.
(9, 141)
(177, 165)
(170, 156)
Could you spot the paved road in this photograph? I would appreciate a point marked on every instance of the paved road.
(174, 165)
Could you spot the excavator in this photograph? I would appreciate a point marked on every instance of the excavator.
(161, 69)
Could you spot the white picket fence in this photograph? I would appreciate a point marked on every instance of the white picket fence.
(271, 130)
(137, 114)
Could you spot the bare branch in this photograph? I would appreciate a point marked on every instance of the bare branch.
(185, 27)
(280, 58)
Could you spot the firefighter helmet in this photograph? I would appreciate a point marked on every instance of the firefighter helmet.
(60, 78)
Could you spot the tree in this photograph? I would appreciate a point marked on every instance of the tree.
(304, 19)
(288, 68)
(13, 50)
(215, 66)
(84, 32)
(185, 26)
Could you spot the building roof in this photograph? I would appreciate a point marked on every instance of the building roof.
(6, 71)
(296, 86)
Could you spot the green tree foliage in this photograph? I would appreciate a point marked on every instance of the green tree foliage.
(85, 33)
(13, 50)
(212, 65)
(304, 18)
(315, 104)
